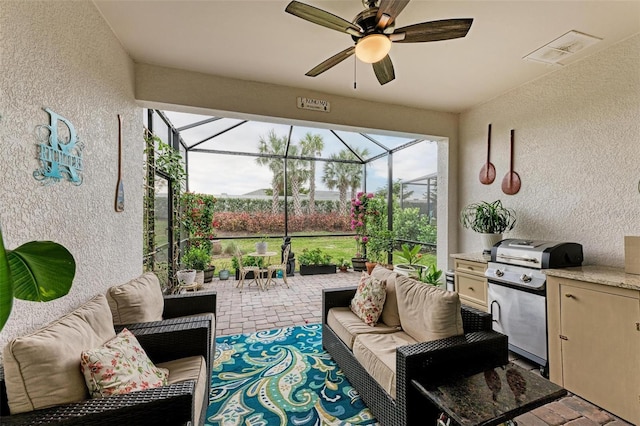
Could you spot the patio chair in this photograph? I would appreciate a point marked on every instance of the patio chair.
(272, 269)
(244, 270)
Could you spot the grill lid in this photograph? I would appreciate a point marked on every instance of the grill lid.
(537, 254)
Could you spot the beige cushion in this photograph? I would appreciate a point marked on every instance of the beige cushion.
(190, 368)
(139, 300)
(369, 299)
(42, 369)
(428, 312)
(347, 325)
(390, 315)
(120, 366)
(377, 354)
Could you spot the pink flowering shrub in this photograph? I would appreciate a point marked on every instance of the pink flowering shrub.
(361, 211)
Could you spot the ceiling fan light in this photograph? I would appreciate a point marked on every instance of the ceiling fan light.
(373, 48)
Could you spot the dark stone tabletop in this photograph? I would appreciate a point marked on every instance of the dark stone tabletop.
(491, 397)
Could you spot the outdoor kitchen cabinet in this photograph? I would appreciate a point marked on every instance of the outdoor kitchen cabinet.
(471, 284)
(594, 343)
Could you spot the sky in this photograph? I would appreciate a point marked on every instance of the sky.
(237, 175)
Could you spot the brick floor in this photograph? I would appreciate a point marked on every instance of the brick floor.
(254, 310)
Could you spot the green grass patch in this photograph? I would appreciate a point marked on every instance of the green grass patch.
(337, 247)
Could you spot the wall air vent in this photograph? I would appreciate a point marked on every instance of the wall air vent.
(562, 47)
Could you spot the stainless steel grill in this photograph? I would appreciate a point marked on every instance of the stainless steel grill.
(517, 291)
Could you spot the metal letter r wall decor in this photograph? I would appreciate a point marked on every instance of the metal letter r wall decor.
(60, 154)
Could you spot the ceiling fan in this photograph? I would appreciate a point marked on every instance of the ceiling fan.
(373, 30)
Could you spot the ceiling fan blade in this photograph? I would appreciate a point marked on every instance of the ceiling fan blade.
(388, 10)
(331, 62)
(432, 31)
(323, 18)
(384, 70)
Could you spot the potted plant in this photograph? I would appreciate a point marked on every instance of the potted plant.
(379, 245)
(343, 264)
(315, 261)
(430, 275)
(223, 275)
(412, 258)
(209, 271)
(360, 212)
(491, 220)
(198, 259)
(261, 246)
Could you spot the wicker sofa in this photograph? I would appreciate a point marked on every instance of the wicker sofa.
(390, 395)
(41, 381)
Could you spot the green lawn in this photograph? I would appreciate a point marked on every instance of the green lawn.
(337, 247)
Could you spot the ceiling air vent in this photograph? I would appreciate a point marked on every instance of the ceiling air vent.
(562, 47)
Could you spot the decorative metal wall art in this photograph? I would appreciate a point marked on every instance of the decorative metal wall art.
(60, 151)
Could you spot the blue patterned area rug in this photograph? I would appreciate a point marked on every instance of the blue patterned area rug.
(281, 377)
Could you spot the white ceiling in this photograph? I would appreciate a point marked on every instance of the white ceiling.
(258, 41)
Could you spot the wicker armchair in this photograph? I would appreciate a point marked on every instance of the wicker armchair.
(170, 405)
(478, 349)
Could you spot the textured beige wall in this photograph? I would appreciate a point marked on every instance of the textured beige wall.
(63, 56)
(577, 151)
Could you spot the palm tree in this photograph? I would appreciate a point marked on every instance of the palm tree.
(341, 175)
(297, 174)
(356, 172)
(273, 145)
(312, 145)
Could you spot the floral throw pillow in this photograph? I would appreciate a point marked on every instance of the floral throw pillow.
(120, 366)
(369, 299)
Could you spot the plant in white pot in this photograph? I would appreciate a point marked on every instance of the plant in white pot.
(261, 245)
(491, 220)
(198, 259)
(412, 258)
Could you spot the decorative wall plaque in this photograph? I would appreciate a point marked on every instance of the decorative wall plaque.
(60, 151)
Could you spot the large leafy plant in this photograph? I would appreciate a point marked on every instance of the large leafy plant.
(488, 218)
(315, 257)
(409, 254)
(37, 271)
(197, 258)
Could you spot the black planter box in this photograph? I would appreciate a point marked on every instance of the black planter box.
(249, 275)
(315, 269)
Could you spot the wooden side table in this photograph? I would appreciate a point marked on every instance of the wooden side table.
(491, 397)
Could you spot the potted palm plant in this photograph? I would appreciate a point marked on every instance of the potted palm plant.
(491, 220)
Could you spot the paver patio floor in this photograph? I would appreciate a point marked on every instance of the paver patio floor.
(254, 310)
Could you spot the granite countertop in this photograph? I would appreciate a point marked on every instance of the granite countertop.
(605, 275)
(473, 257)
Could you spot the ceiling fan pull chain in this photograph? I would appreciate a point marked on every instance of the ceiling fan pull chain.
(355, 64)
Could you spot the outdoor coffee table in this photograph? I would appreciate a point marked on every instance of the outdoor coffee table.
(491, 397)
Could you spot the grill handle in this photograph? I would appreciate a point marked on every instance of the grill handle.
(523, 259)
(497, 311)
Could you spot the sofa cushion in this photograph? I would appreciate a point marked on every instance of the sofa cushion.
(377, 354)
(390, 315)
(42, 369)
(120, 366)
(428, 312)
(190, 368)
(347, 325)
(139, 300)
(369, 299)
